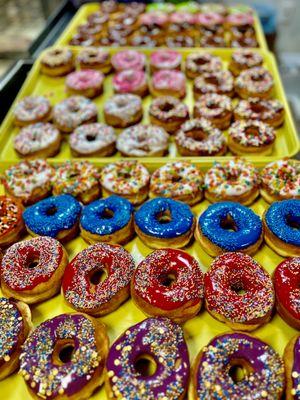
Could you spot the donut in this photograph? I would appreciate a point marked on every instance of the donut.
(243, 41)
(40, 140)
(107, 220)
(281, 227)
(165, 59)
(229, 226)
(130, 81)
(234, 180)
(154, 25)
(128, 59)
(214, 107)
(98, 18)
(286, 283)
(141, 41)
(93, 58)
(29, 181)
(254, 82)
(239, 19)
(32, 270)
(32, 109)
(251, 137)
(210, 40)
(64, 357)
(82, 286)
(168, 112)
(220, 82)
(197, 137)
(239, 292)
(198, 63)
(164, 222)
(182, 22)
(11, 221)
(280, 180)
(87, 83)
(168, 82)
(214, 377)
(110, 7)
(179, 180)
(155, 342)
(83, 39)
(92, 30)
(244, 59)
(168, 282)
(56, 217)
(15, 323)
(128, 179)
(210, 23)
(78, 178)
(123, 110)
(214, 8)
(143, 141)
(292, 372)
(74, 111)
(180, 41)
(57, 61)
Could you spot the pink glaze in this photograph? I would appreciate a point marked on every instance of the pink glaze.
(240, 19)
(166, 59)
(86, 79)
(129, 81)
(208, 19)
(154, 18)
(128, 59)
(169, 79)
(182, 18)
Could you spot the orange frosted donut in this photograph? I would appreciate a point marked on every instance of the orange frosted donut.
(32, 109)
(216, 108)
(254, 82)
(220, 82)
(11, 221)
(58, 61)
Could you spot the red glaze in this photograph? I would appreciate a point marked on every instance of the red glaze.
(151, 272)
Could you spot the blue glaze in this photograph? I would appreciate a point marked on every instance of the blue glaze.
(248, 224)
(279, 215)
(94, 221)
(67, 213)
(180, 213)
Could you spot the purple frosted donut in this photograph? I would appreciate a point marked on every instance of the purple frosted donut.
(214, 378)
(159, 340)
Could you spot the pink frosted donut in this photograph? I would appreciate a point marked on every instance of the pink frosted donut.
(165, 59)
(168, 82)
(88, 83)
(209, 19)
(154, 18)
(128, 59)
(239, 19)
(130, 81)
(182, 18)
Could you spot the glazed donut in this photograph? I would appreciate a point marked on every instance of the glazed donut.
(220, 82)
(107, 220)
(157, 341)
(93, 58)
(168, 112)
(64, 357)
(281, 227)
(243, 41)
(292, 371)
(15, 323)
(40, 140)
(197, 137)
(93, 140)
(87, 83)
(32, 109)
(263, 369)
(58, 61)
(244, 59)
(270, 112)
(29, 181)
(74, 111)
(214, 107)
(168, 282)
(168, 82)
(210, 23)
(32, 270)
(128, 179)
(210, 40)
(128, 59)
(165, 59)
(239, 292)
(11, 221)
(56, 217)
(286, 283)
(130, 81)
(143, 141)
(251, 137)
(164, 222)
(234, 180)
(198, 63)
(78, 178)
(280, 180)
(83, 289)
(229, 226)
(123, 110)
(179, 180)
(254, 82)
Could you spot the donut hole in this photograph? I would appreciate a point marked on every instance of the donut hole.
(166, 107)
(124, 174)
(56, 52)
(257, 77)
(168, 279)
(32, 262)
(176, 178)
(74, 108)
(63, 351)
(90, 138)
(213, 80)
(97, 276)
(258, 108)
(238, 288)
(164, 217)
(51, 211)
(239, 369)
(212, 105)
(196, 134)
(74, 174)
(200, 61)
(293, 222)
(107, 214)
(252, 131)
(145, 365)
(228, 223)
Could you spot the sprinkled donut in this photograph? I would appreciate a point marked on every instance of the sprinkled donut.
(210, 23)
(179, 180)
(84, 292)
(216, 108)
(254, 82)
(11, 221)
(199, 63)
(244, 59)
(93, 58)
(292, 369)
(48, 368)
(180, 41)
(32, 270)
(123, 110)
(243, 41)
(165, 59)
(87, 83)
(230, 275)
(209, 40)
(157, 339)
(130, 81)
(32, 109)
(239, 19)
(263, 369)
(168, 282)
(58, 61)
(181, 22)
(74, 111)
(220, 82)
(128, 59)
(270, 112)
(168, 82)
(229, 226)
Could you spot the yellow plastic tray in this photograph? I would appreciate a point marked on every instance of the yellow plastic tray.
(198, 331)
(87, 9)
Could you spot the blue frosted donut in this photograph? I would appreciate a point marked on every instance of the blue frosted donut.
(230, 226)
(51, 216)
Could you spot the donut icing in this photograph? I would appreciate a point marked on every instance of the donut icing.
(214, 82)
(184, 19)
(10, 215)
(295, 391)
(255, 108)
(153, 18)
(124, 105)
(255, 80)
(166, 59)
(209, 19)
(169, 79)
(203, 62)
(83, 80)
(176, 109)
(213, 105)
(91, 57)
(36, 137)
(128, 81)
(247, 59)
(32, 108)
(57, 57)
(238, 19)
(128, 59)
(252, 133)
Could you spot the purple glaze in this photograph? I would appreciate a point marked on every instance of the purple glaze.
(296, 370)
